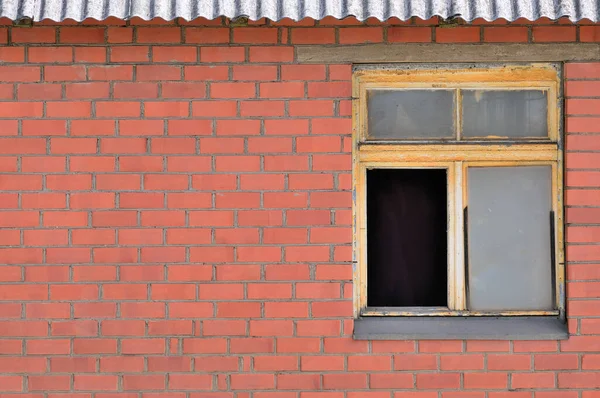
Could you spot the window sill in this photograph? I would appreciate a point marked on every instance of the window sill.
(458, 328)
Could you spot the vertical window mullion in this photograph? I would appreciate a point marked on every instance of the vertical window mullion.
(458, 116)
(457, 263)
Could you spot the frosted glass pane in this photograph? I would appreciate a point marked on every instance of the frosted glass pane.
(509, 249)
(405, 114)
(512, 114)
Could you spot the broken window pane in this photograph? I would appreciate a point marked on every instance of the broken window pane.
(406, 238)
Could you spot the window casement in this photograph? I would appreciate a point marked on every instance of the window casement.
(457, 178)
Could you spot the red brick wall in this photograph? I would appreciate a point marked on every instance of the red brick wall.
(175, 213)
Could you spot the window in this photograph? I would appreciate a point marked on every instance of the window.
(458, 192)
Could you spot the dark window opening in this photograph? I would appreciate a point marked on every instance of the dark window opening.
(407, 238)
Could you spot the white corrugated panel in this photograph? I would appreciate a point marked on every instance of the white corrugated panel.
(275, 10)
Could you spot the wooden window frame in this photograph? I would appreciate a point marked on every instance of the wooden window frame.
(455, 156)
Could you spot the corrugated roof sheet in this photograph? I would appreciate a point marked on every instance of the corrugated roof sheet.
(275, 10)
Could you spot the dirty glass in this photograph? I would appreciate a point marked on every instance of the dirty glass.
(505, 113)
(509, 238)
(410, 114)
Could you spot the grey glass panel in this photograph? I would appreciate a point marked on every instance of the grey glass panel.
(513, 114)
(406, 114)
(509, 246)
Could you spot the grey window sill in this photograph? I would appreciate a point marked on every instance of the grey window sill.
(453, 328)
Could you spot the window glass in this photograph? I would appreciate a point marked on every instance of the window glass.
(410, 114)
(509, 238)
(505, 113)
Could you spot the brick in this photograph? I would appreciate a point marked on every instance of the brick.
(589, 33)
(578, 380)
(260, 218)
(73, 292)
(64, 73)
(99, 310)
(143, 346)
(50, 54)
(255, 35)
(298, 381)
(238, 127)
(191, 310)
(22, 74)
(360, 35)
(95, 382)
(48, 383)
(78, 35)
(139, 127)
(97, 55)
(183, 90)
(575, 70)
(318, 328)
(439, 380)
(254, 72)
(92, 128)
(48, 347)
(10, 364)
(224, 327)
(513, 34)
(158, 72)
(206, 73)
(313, 36)
(206, 35)
(554, 33)
(118, 109)
(46, 274)
(238, 310)
(140, 163)
(135, 90)
(282, 90)
(286, 309)
(110, 72)
(174, 54)
(457, 35)
(391, 381)
(485, 380)
(211, 254)
(303, 72)
(271, 54)
(74, 328)
(170, 327)
(311, 108)
(269, 291)
(508, 362)
(324, 363)
(285, 235)
(95, 200)
(408, 35)
(286, 127)
(329, 90)
(533, 380)
(21, 256)
(65, 219)
(35, 34)
(142, 310)
(204, 345)
(20, 109)
(222, 54)
(159, 35)
(121, 364)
